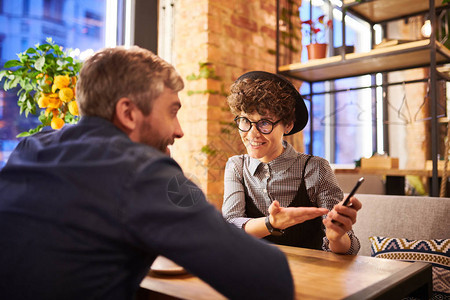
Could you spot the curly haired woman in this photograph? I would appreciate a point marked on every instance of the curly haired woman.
(273, 191)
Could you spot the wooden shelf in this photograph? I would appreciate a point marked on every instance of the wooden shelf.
(389, 172)
(408, 55)
(383, 10)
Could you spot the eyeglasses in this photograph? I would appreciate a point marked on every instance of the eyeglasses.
(264, 126)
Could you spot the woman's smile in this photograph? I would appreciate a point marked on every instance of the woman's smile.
(265, 147)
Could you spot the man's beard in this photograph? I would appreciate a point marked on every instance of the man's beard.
(149, 137)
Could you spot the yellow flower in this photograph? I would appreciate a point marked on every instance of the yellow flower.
(61, 81)
(73, 108)
(54, 102)
(57, 123)
(43, 101)
(66, 94)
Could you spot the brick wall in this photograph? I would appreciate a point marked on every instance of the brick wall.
(234, 36)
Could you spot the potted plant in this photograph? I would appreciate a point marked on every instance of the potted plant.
(46, 76)
(316, 30)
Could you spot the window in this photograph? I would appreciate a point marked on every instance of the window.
(344, 115)
(166, 24)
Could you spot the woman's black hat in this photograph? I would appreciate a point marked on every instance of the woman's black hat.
(301, 112)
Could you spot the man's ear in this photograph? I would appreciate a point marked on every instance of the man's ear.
(125, 115)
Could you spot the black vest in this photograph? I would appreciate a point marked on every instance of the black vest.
(308, 234)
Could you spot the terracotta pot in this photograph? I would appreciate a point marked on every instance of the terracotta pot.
(316, 51)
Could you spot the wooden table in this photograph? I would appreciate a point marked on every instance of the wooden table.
(317, 275)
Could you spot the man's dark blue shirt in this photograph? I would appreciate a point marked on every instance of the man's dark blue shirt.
(84, 211)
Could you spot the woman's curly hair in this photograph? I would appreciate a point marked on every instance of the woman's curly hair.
(262, 96)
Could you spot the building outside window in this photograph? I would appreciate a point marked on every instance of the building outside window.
(53, 9)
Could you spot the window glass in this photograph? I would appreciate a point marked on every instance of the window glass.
(72, 24)
(342, 121)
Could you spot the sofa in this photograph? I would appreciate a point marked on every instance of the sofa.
(407, 228)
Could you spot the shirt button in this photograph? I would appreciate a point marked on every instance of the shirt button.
(264, 191)
(267, 174)
(266, 167)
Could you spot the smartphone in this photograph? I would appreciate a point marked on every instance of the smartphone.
(352, 193)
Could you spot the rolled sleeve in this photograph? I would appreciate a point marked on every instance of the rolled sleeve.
(354, 244)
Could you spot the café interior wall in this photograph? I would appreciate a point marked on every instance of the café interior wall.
(233, 37)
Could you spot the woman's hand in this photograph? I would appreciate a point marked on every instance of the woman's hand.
(284, 217)
(344, 217)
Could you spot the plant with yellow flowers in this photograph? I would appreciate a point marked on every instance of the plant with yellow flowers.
(46, 76)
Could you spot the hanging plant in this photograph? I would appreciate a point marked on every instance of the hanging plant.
(46, 76)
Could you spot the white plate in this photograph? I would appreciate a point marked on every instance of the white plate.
(163, 265)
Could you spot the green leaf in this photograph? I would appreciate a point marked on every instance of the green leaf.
(30, 104)
(192, 77)
(44, 47)
(204, 73)
(24, 58)
(31, 51)
(39, 63)
(23, 96)
(31, 131)
(12, 63)
(46, 120)
(3, 73)
(43, 118)
(13, 83)
(29, 86)
(23, 134)
(46, 89)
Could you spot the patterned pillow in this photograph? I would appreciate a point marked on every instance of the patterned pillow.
(435, 252)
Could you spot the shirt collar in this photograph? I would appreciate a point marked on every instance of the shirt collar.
(278, 164)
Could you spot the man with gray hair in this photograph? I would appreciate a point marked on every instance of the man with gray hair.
(84, 211)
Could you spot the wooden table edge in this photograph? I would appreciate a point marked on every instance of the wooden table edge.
(417, 276)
